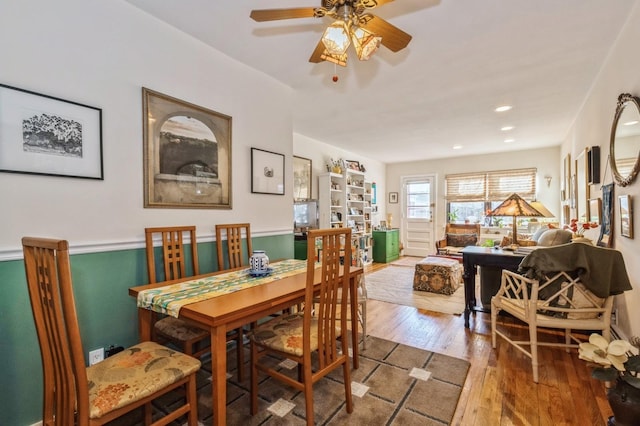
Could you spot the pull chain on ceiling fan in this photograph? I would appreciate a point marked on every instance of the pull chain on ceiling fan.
(351, 25)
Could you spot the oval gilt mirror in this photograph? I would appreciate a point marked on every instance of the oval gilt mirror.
(624, 149)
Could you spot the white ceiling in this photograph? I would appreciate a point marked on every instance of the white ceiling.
(466, 58)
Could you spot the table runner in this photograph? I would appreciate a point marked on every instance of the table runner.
(169, 299)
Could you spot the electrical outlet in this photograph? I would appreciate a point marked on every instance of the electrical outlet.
(96, 356)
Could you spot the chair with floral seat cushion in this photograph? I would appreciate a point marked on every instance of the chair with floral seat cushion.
(95, 395)
(189, 337)
(316, 329)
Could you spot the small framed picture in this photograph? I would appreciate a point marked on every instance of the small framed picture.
(302, 181)
(595, 207)
(626, 216)
(353, 165)
(267, 172)
(393, 198)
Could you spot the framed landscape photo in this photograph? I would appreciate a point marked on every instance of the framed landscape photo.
(187, 154)
(302, 178)
(267, 172)
(44, 135)
(626, 216)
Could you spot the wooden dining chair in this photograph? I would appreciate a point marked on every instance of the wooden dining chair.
(235, 258)
(232, 233)
(317, 329)
(189, 337)
(95, 395)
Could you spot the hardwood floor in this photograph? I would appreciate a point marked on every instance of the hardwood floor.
(499, 389)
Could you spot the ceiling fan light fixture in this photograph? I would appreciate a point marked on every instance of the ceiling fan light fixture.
(336, 59)
(336, 38)
(365, 42)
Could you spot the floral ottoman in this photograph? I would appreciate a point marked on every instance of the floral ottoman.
(438, 275)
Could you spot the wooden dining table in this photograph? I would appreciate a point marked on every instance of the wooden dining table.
(229, 311)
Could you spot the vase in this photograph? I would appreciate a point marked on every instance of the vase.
(259, 261)
(624, 400)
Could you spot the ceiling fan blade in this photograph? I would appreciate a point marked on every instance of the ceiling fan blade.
(393, 38)
(277, 14)
(316, 56)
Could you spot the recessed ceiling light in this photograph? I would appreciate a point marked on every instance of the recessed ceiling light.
(457, 147)
(509, 140)
(503, 108)
(506, 128)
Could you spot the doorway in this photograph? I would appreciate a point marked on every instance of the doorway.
(418, 203)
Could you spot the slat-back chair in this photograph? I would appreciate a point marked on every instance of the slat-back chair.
(80, 395)
(235, 258)
(316, 329)
(232, 233)
(190, 338)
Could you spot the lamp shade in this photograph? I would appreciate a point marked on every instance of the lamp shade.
(336, 38)
(365, 43)
(541, 208)
(515, 206)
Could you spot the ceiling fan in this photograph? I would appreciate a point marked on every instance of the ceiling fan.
(352, 24)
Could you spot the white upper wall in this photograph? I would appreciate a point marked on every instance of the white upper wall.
(619, 74)
(101, 53)
(321, 154)
(546, 160)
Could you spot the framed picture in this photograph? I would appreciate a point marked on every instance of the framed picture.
(44, 135)
(353, 165)
(626, 216)
(187, 154)
(393, 197)
(302, 178)
(267, 172)
(566, 178)
(595, 208)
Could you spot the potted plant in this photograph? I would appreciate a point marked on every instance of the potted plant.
(618, 363)
(453, 215)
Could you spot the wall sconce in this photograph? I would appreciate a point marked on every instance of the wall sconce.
(548, 179)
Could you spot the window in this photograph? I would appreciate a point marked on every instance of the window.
(469, 196)
(418, 200)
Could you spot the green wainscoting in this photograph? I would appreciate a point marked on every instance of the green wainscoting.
(107, 315)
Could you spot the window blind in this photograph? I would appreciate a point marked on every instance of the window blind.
(491, 186)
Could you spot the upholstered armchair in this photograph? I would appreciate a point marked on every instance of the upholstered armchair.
(456, 237)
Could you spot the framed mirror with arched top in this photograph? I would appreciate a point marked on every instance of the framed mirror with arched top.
(624, 148)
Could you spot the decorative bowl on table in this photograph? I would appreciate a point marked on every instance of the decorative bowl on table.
(260, 272)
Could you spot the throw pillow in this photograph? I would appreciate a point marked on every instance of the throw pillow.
(462, 240)
(554, 237)
(536, 235)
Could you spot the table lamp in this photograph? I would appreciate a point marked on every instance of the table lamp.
(515, 206)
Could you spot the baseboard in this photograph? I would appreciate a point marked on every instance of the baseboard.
(37, 424)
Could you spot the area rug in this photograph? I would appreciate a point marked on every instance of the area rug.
(395, 385)
(395, 284)
(407, 261)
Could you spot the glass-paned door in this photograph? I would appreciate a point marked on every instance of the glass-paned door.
(417, 219)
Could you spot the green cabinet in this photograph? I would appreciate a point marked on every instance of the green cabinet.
(300, 249)
(386, 245)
